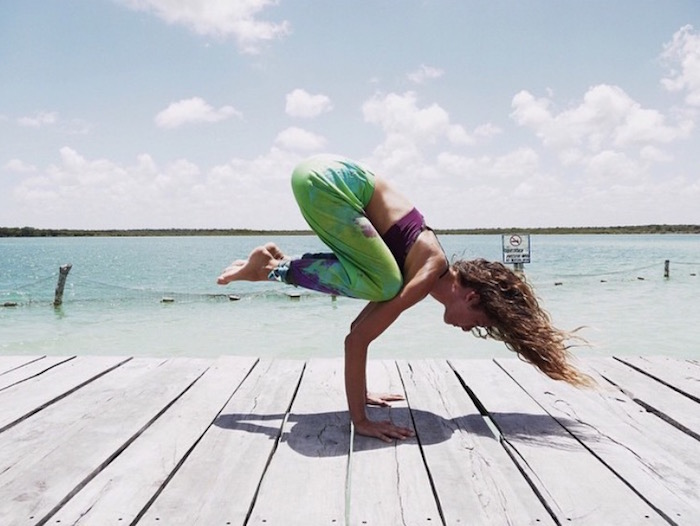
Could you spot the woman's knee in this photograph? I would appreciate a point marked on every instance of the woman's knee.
(386, 288)
(301, 181)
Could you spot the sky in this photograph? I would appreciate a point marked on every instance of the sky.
(131, 114)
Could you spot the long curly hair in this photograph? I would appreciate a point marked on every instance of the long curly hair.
(519, 320)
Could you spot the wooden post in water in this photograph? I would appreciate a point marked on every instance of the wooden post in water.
(666, 269)
(62, 275)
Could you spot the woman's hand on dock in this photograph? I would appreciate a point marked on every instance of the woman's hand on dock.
(384, 430)
(382, 399)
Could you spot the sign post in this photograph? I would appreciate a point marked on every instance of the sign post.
(516, 250)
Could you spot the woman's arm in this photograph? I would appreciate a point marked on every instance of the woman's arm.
(356, 348)
(374, 319)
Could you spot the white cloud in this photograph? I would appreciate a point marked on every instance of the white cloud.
(531, 112)
(520, 163)
(606, 117)
(297, 139)
(456, 134)
(77, 127)
(39, 119)
(682, 55)
(459, 166)
(654, 154)
(300, 103)
(608, 166)
(425, 73)
(190, 111)
(51, 118)
(487, 131)
(451, 190)
(234, 18)
(413, 133)
(19, 166)
(78, 192)
(404, 121)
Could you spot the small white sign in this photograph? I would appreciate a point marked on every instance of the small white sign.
(516, 248)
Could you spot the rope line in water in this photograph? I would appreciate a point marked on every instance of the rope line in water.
(610, 272)
(76, 294)
(31, 284)
(145, 291)
(20, 295)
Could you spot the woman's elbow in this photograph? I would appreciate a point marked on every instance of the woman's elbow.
(355, 340)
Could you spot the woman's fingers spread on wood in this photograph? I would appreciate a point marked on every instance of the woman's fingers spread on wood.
(383, 399)
(383, 430)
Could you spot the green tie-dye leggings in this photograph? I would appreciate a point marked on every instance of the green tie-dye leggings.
(332, 193)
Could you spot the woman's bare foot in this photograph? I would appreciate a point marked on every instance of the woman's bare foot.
(259, 264)
(275, 251)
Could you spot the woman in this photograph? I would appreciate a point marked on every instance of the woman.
(383, 252)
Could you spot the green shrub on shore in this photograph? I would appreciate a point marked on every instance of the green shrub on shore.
(51, 232)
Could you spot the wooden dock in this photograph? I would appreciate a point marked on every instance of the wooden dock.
(121, 441)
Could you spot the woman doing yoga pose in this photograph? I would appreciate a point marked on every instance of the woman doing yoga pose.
(382, 251)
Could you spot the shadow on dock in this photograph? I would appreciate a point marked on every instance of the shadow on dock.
(304, 432)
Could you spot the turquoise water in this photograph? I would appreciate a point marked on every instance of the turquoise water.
(611, 284)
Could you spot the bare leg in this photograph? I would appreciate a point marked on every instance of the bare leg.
(260, 263)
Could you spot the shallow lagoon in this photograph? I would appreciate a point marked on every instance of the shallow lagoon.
(613, 285)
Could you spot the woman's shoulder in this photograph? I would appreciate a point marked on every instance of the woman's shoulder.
(426, 260)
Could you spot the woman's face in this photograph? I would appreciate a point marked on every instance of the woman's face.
(464, 310)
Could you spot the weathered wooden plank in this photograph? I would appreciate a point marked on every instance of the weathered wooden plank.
(680, 374)
(475, 479)
(48, 458)
(305, 481)
(660, 462)
(23, 400)
(10, 363)
(576, 486)
(30, 370)
(388, 483)
(684, 367)
(120, 492)
(218, 482)
(654, 396)
(118, 438)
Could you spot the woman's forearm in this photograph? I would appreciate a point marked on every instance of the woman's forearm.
(355, 379)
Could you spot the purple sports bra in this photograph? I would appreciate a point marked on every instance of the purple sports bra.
(403, 234)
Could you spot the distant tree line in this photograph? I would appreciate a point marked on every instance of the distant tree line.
(140, 232)
(636, 229)
(51, 232)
